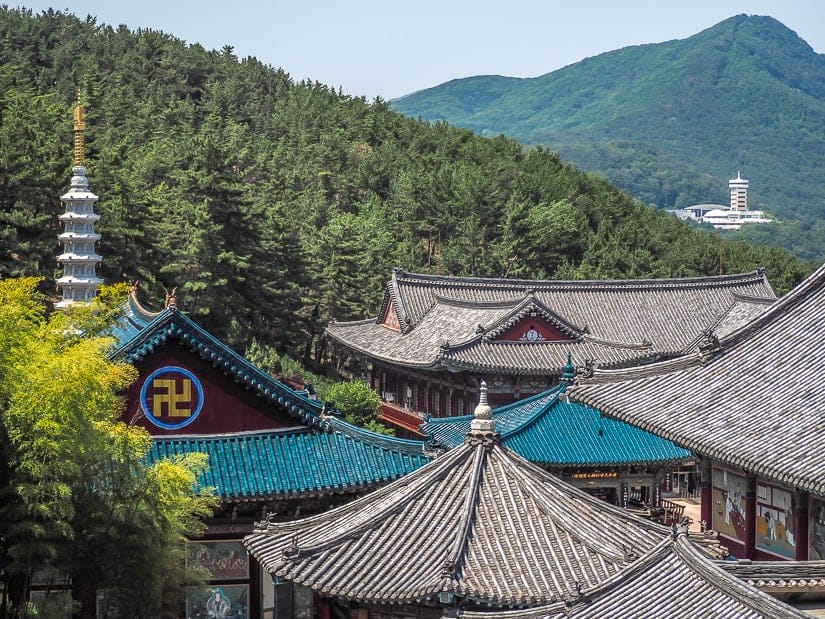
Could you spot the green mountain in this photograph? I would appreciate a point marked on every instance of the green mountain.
(274, 206)
(671, 122)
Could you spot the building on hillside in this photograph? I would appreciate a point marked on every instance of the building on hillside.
(751, 406)
(612, 460)
(722, 217)
(738, 193)
(79, 282)
(437, 336)
(481, 532)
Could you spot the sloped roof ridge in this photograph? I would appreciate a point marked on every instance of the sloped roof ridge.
(490, 303)
(383, 441)
(537, 414)
(430, 279)
(174, 323)
(225, 436)
(770, 572)
(529, 302)
(583, 530)
(138, 308)
(384, 500)
(797, 295)
(610, 375)
(722, 580)
(501, 410)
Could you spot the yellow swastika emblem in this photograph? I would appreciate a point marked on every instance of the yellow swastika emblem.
(178, 403)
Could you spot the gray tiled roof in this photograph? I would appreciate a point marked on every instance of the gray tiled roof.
(479, 522)
(758, 402)
(780, 576)
(452, 321)
(673, 580)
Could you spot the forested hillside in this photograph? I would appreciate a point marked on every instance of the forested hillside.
(672, 122)
(274, 206)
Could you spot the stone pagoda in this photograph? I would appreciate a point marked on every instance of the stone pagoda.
(79, 282)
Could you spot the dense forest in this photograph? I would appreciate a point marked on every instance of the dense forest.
(274, 206)
(672, 122)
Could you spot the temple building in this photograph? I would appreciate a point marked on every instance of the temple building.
(752, 406)
(481, 532)
(437, 336)
(612, 460)
(271, 450)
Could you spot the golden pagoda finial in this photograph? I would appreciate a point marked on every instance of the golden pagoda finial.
(79, 128)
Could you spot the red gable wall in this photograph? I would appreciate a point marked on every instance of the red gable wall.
(173, 396)
(546, 331)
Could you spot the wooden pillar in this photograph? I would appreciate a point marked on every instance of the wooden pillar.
(706, 492)
(323, 609)
(800, 523)
(750, 519)
(362, 613)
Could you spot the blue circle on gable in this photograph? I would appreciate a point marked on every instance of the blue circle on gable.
(171, 397)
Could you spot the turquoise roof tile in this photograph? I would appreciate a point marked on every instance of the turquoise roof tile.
(548, 429)
(294, 462)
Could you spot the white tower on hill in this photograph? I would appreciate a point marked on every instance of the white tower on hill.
(738, 193)
(79, 259)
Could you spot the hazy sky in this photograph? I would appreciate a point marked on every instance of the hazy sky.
(391, 48)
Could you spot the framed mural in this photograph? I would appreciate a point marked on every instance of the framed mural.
(728, 500)
(218, 602)
(775, 511)
(816, 533)
(52, 603)
(224, 560)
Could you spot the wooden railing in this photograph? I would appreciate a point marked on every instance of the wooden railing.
(401, 417)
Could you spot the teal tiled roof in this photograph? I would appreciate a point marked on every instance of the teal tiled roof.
(294, 462)
(549, 430)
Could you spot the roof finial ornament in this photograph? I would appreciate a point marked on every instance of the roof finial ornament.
(568, 372)
(79, 128)
(171, 299)
(483, 414)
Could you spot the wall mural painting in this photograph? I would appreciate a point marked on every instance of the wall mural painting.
(816, 534)
(775, 511)
(224, 560)
(218, 602)
(729, 503)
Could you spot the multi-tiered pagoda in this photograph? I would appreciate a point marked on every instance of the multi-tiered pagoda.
(79, 282)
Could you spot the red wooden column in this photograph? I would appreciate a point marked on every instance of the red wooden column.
(323, 609)
(706, 492)
(801, 525)
(750, 519)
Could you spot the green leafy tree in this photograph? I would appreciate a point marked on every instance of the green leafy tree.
(356, 400)
(78, 495)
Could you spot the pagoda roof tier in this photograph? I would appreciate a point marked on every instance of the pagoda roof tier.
(73, 281)
(76, 195)
(550, 430)
(75, 216)
(296, 462)
(753, 400)
(464, 323)
(75, 257)
(478, 523)
(675, 579)
(64, 237)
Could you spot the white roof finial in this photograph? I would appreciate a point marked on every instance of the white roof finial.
(483, 414)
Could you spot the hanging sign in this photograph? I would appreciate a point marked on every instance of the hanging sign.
(171, 397)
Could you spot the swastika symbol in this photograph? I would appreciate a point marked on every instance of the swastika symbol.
(166, 392)
(171, 397)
